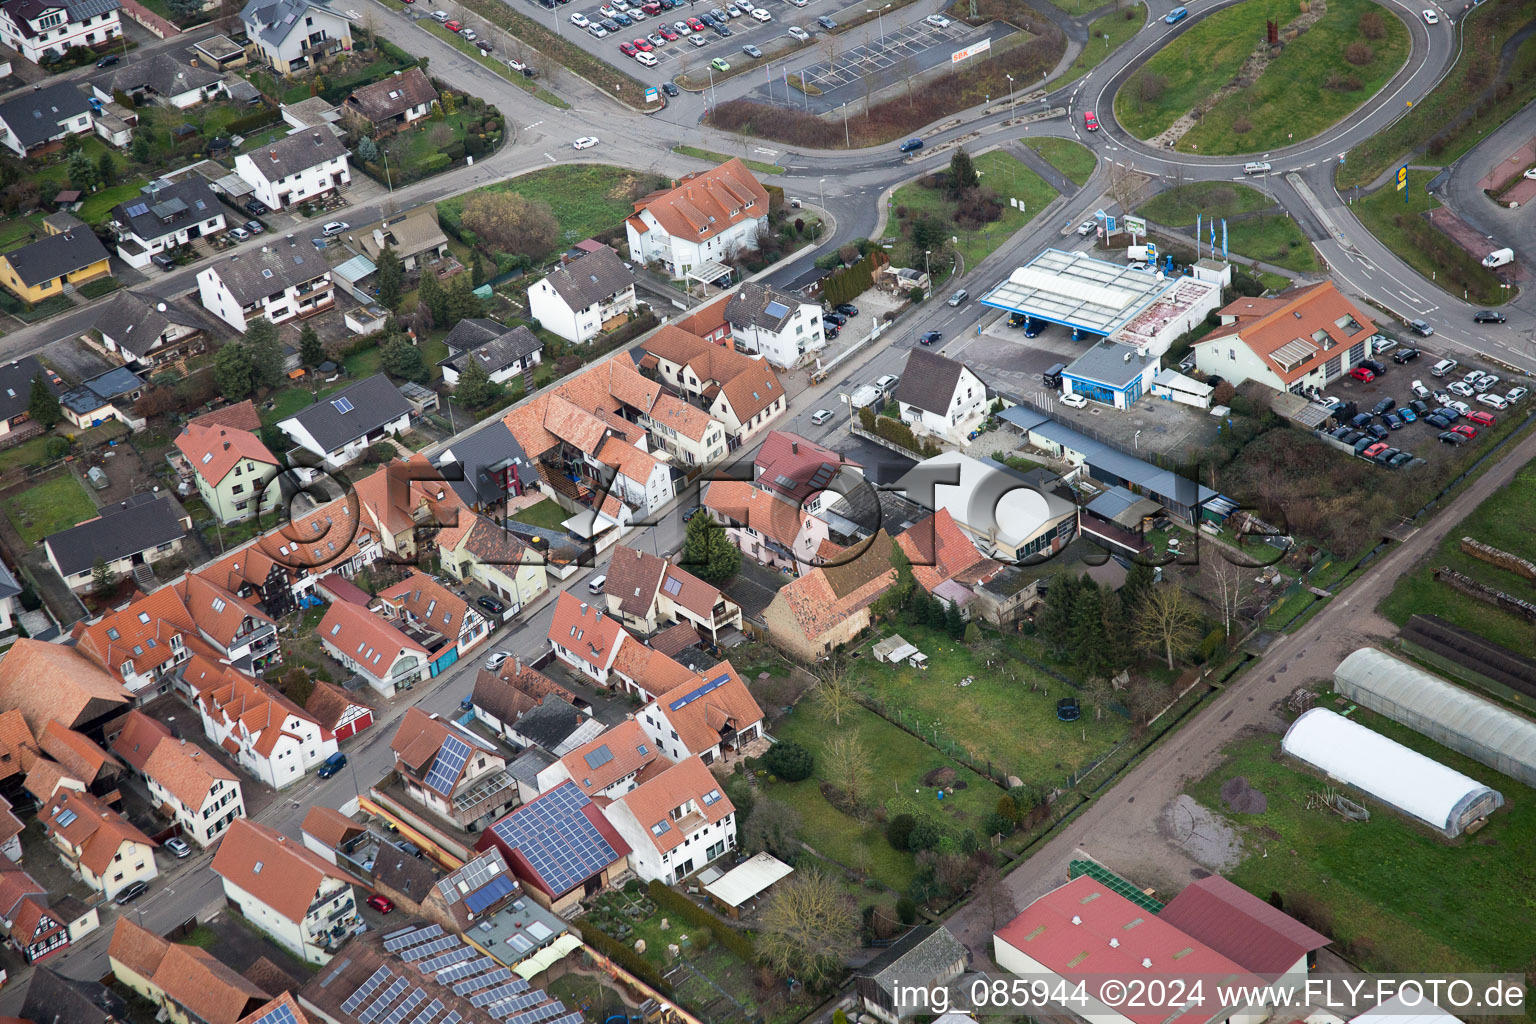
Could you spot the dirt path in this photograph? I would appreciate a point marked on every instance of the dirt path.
(1139, 828)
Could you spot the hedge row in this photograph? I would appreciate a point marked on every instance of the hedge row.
(255, 121)
(675, 902)
(623, 955)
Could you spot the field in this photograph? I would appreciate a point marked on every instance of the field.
(586, 198)
(1390, 884)
(1271, 238)
(1106, 35)
(994, 719)
(1292, 98)
(1401, 227)
(49, 506)
(1503, 522)
(1000, 172)
(1194, 65)
(899, 761)
(1072, 159)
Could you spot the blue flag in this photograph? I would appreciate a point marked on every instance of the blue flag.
(1197, 235)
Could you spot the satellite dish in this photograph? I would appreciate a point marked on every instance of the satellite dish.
(160, 306)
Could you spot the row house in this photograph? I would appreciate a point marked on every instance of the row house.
(423, 602)
(713, 717)
(769, 529)
(648, 593)
(37, 28)
(388, 659)
(186, 984)
(451, 772)
(270, 737)
(413, 510)
(96, 843)
(676, 822)
(502, 561)
(740, 391)
(194, 790)
(279, 283)
(596, 644)
(608, 766)
(810, 475)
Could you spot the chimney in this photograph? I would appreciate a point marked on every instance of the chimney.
(583, 607)
(1114, 943)
(517, 666)
(794, 447)
(638, 555)
(226, 446)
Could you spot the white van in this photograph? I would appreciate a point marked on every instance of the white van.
(595, 585)
(1256, 167)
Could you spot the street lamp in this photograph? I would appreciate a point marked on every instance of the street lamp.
(822, 202)
(880, 20)
(926, 272)
(1010, 94)
(846, 143)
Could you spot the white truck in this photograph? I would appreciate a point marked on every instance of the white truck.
(1499, 257)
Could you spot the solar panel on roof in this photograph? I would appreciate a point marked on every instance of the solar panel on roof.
(695, 694)
(574, 1017)
(464, 988)
(454, 956)
(343, 405)
(487, 895)
(282, 1013)
(409, 1003)
(508, 999)
(458, 972)
(822, 477)
(776, 309)
(366, 989)
(557, 839)
(170, 208)
(453, 1018)
(495, 995)
(787, 482)
(396, 941)
(431, 1010)
(599, 757)
(673, 586)
(65, 818)
(447, 765)
(137, 210)
(432, 948)
(373, 1009)
(341, 965)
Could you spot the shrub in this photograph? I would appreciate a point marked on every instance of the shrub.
(56, 448)
(789, 761)
(898, 831)
(926, 834)
(1372, 26)
(1343, 83)
(1359, 54)
(1241, 125)
(998, 825)
(906, 910)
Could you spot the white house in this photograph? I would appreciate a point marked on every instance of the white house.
(774, 324)
(606, 766)
(143, 529)
(305, 903)
(386, 658)
(291, 35)
(270, 737)
(96, 843)
(939, 396)
(707, 718)
(707, 218)
(277, 283)
(772, 530)
(503, 353)
(579, 300)
(675, 823)
(1301, 338)
(146, 331)
(202, 795)
(163, 216)
(37, 117)
(340, 428)
(422, 601)
(739, 390)
(295, 169)
(585, 637)
(34, 28)
(161, 78)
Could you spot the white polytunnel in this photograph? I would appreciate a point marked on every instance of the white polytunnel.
(1446, 713)
(1392, 773)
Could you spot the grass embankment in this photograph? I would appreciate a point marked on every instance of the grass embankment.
(1309, 87)
(1196, 64)
(1105, 36)
(1072, 159)
(1004, 175)
(496, 64)
(1463, 108)
(1267, 237)
(1502, 521)
(1402, 228)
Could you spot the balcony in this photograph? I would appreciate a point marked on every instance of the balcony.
(256, 640)
(319, 284)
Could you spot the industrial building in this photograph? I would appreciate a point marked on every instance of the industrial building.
(1404, 779)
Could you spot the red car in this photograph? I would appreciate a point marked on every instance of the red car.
(627, 49)
(643, 45)
(1481, 418)
(667, 34)
(696, 24)
(1375, 449)
(453, 26)
(1363, 375)
(1090, 123)
(1465, 431)
(383, 904)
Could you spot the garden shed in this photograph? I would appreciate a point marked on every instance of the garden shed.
(1446, 713)
(1392, 773)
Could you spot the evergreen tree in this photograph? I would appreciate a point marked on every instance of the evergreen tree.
(962, 172)
(106, 168)
(1086, 627)
(953, 622)
(232, 371)
(43, 404)
(475, 388)
(1116, 636)
(476, 269)
(403, 359)
(103, 578)
(311, 352)
(266, 353)
(1138, 580)
(462, 303)
(141, 150)
(1054, 622)
(434, 297)
(367, 150)
(707, 552)
(392, 279)
(82, 173)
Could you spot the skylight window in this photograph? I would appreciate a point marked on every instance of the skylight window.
(207, 458)
(219, 604)
(144, 617)
(113, 634)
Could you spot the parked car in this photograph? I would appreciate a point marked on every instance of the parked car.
(1492, 401)
(440, 16)
(1460, 387)
(937, 21)
(334, 227)
(1074, 401)
(795, 31)
(720, 64)
(239, 234)
(470, 34)
(493, 662)
(1375, 450)
(331, 765)
(453, 26)
(656, 39)
(1443, 367)
(1488, 316)
(383, 904)
(596, 31)
(1407, 354)
(1448, 413)
(1378, 431)
(682, 28)
(256, 208)
(751, 51)
(1407, 414)
(1487, 381)
(847, 309)
(579, 20)
(130, 892)
(1482, 419)
(826, 22)
(1400, 460)
(668, 33)
(758, 14)
(643, 45)
(179, 847)
(1420, 409)
(835, 317)
(1434, 419)
(1381, 343)
(820, 416)
(108, 60)
(1465, 430)
(1363, 375)
(1385, 457)
(255, 227)
(1370, 364)
(929, 337)
(1451, 437)
(1443, 397)
(163, 261)
(830, 329)
(885, 382)
(491, 604)
(1515, 394)
(1462, 408)
(1393, 421)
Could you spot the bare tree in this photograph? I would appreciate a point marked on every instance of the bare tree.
(1124, 185)
(835, 696)
(1228, 583)
(1166, 622)
(1147, 699)
(996, 899)
(809, 929)
(847, 763)
(1100, 692)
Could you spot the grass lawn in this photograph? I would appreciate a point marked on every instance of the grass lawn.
(1402, 228)
(1274, 282)
(993, 719)
(285, 403)
(586, 198)
(1292, 99)
(544, 513)
(49, 506)
(1196, 64)
(1273, 238)
(1105, 36)
(1502, 521)
(1178, 206)
(364, 364)
(1077, 6)
(714, 159)
(1385, 880)
(1072, 159)
(25, 454)
(899, 761)
(17, 231)
(496, 64)
(1000, 172)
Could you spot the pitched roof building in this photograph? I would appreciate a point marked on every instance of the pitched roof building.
(146, 526)
(713, 716)
(450, 770)
(1237, 924)
(395, 101)
(51, 682)
(829, 605)
(705, 218)
(738, 390)
(560, 845)
(1303, 337)
(676, 821)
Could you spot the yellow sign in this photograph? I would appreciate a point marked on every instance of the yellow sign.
(1402, 178)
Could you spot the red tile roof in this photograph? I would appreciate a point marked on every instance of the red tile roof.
(799, 460)
(634, 576)
(216, 994)
(239, 698)
(700, 721)
(419, 738)
(96, 829)
(761, 511)
(685, 784)
(28, 925)
(241, 416)
(137, 739)
(52, 682)
(827, 595)
(750, 385)
(1305, 319)
(329, 826)
(432, 604)
(214, 451)
(137, 948)
(138, 634)
(939, 550)
(285, 999)
(676, 639)
(280, 872)
(706, 203)
(83, 759)
(653, 671)
(216, 610)
(622, 751)
(1239, 925)
(587, 631)
(15, 885)
(187, 771)
(17, 747)
(366, 638)
(328, 704)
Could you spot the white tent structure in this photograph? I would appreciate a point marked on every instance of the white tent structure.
(1446, 713)
(1392, 773)
(1399, 1011)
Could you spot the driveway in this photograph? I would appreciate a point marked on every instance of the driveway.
(1125, 827)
